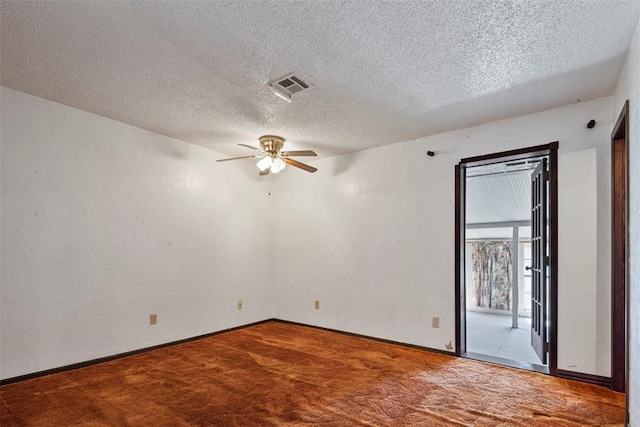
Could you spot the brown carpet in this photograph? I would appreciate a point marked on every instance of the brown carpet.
(277, 374)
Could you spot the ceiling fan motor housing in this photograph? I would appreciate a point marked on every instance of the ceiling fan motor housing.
(271, 144)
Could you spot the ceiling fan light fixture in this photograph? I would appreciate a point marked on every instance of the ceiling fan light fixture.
(265, 163)
(277, 165)
(271, 157)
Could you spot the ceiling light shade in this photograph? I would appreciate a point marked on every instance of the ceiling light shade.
(277, 165)
(264, 163)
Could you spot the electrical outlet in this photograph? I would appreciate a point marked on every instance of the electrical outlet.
(240, 305)
(435, 322)
(153, 319)
(317, 305)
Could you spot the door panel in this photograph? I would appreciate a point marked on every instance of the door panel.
(539, 260)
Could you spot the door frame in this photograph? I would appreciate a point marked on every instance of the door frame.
(620, 252)
(551, 150)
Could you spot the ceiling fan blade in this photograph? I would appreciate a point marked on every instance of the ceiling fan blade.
(299, 153)
(264, 172)
(237, 158)
(252, 147)
(299, 165)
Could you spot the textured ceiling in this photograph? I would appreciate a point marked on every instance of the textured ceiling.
(381, 72)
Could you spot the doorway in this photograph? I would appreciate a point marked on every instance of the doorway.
(619, 253)
(506, 228)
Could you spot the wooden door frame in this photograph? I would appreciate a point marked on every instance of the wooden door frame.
(551, 150)
(620, 251)
(461, 305)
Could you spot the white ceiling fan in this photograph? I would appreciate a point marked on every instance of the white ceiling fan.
(272, 158)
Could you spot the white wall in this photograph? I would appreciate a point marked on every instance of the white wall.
(104, 223)
(579, 311)
(629, 88)
(371, 235)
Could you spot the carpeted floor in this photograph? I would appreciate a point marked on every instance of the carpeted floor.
(278, 374)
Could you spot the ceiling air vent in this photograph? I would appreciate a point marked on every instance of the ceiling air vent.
(287, 86)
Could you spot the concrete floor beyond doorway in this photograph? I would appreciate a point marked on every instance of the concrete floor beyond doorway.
(492, 335)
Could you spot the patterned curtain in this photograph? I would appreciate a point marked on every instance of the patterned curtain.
(492, 264)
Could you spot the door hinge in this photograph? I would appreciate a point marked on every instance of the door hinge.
(546, 175)
(546, 260)
(546, 347)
